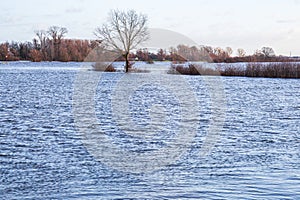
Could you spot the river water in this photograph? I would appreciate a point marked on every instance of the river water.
(48, 148)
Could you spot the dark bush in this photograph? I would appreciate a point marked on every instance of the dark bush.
(103, 67)
(267, 70)
(273, 70)
(192, 69)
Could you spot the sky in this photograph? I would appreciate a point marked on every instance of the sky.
(247, 24)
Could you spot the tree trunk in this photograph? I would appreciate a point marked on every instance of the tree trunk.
(126, 62)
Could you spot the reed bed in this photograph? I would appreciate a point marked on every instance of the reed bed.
(266, 70)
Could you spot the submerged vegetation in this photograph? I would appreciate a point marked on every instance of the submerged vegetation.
(103, 67)
(108, 67)
(273, 70)
(192, 69)
(266, 70)
(124, 31)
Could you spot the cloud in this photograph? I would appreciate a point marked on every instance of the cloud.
(10, 19)
(286, 21)
(74, 10)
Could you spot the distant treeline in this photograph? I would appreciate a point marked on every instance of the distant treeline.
(51, 45)
(48, 45)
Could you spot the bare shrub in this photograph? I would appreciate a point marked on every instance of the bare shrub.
(192, 69)
(273, 70)
(103, 67)
(136, 70)
(266, 70)
(231, 70)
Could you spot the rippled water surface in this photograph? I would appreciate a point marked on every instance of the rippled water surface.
(44, 153)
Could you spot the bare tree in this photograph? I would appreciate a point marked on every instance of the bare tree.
(56, 33)
(42, 36)
(4, 51)
(229, 51)
(241, 52)
(268, 51)
(218, 51)
(123, 32)
(161, 55)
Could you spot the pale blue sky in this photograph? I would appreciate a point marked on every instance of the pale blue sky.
(248, 24)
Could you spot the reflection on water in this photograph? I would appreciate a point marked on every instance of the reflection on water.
(42, 155)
